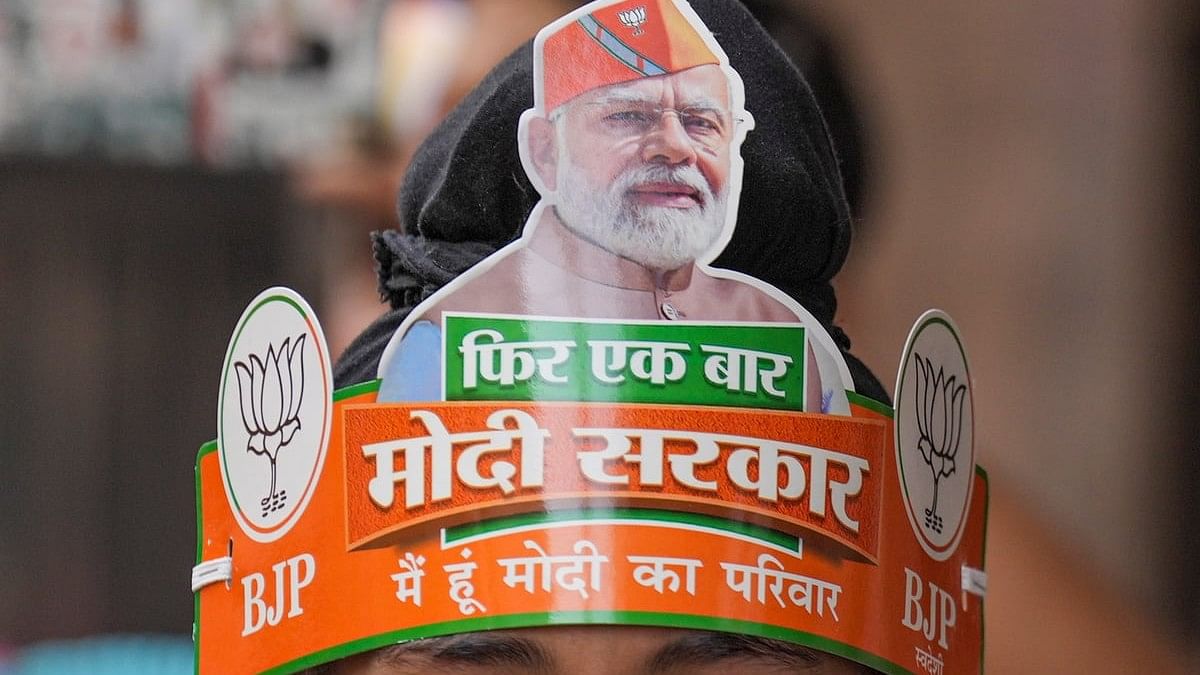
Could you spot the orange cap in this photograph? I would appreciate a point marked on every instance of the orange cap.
(618, 43)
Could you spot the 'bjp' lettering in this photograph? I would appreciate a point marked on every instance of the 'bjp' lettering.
(942, 612)
(256, 612)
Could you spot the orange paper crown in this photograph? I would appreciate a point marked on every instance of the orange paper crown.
(621, 42)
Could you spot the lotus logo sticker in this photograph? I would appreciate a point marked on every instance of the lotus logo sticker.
(274, 413)
(270, 390)
(634, 18)
(939, 405)
(934, 427)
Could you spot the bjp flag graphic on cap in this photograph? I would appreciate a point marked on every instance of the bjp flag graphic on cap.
(620, 42)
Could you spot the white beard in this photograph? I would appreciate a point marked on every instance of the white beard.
(659, 238)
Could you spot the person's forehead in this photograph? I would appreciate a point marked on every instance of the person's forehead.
(705, 85)
(596, 650)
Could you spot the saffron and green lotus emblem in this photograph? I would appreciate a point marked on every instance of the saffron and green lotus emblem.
(270, 391)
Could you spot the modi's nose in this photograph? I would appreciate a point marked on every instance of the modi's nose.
(668, 142)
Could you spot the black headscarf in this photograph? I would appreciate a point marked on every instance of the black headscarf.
(466, 194)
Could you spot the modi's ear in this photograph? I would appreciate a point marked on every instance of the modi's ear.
(543, 150)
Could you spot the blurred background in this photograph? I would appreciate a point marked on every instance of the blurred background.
(1028, 166)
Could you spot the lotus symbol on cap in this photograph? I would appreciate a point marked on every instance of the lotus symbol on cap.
(634, 18)
(939, 404)
(270, 390)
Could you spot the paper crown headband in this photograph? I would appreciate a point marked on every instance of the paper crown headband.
(705, 465)
(330, 523)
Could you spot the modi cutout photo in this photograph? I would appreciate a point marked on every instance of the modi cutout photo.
(633, 143)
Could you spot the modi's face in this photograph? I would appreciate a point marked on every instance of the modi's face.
(643, 167)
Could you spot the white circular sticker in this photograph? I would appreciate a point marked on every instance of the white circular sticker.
(273, 413)
(934, 432)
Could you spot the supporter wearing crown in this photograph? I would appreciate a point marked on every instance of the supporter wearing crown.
(422, 520)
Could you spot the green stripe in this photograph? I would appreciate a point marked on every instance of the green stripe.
(871, 404)
(285, 299)
(535, 619)
(962, 350)
(764, 534)
(987, 505)
(356, 390)
(207, 448)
